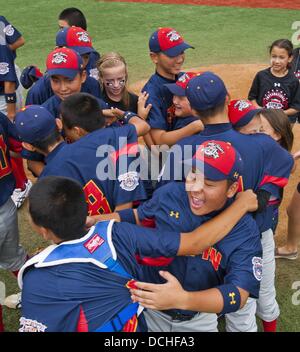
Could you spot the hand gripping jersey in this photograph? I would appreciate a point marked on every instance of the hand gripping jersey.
(82, 285)
(85, 250)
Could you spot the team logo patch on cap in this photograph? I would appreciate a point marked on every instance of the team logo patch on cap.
(241, 105)
(212, 150)
(9, 30)
(129, 181)
(59, 58)
(4, 69)
(83, 37)
(173, 36)
(257, 267)
(94, 243)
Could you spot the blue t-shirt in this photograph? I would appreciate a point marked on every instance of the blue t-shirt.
(57, 298)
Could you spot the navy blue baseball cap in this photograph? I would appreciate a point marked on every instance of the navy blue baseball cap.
(217, 160)
(75, 38)
(206, 91)
(34, 123)
(29, 75)
(167, 41)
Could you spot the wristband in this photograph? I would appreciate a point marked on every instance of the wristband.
(128, 115)
(10, 98)
(127, 215)
(231, 298)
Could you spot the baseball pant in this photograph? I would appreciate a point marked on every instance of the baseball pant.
(12, 255)
(161, 322)
(244, 319)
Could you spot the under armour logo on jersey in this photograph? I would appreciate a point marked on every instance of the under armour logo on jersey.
(173, 36)
(232, 295)
(276, 84)
(174, 213)
(212, 150)
(241, 105)
(59, 58)
(83, 37)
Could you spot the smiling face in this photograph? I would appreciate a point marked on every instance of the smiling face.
(280, 59)
(182, 106)
(206, 196)
(114, 80)
(167, 66)
(63, 86)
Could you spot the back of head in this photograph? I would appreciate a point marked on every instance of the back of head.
(82, 110)
(74, 17)
(58, 204)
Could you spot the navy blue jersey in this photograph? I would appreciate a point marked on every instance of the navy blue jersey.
(161, 99)
(53, 104)
(7, 180)
(91, 67)
(81, 296)
(11, 32)
(82, 161)
(236, 259)
(7, 67)
(41, 91)
(266, 164)
(180, 122)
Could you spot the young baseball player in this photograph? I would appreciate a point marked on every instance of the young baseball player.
(74, 17)
(81, 282)
(277, 87)
(231, 267)
(83, 123)
(12, 254)
(267, 166)
(76, 39)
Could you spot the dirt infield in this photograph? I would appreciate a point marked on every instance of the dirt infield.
(283, 4)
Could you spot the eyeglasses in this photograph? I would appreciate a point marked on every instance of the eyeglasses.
(118, 82)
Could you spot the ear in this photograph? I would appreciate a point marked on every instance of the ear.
(28, 146)
(232, 190)
(83, 76)
(81, 132)
(154, 57)
(227, 99)
(59, 124)
(194, 113)
(45, 233)
(290, 59)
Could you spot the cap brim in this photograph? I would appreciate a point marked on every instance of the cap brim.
(247, 118)
(177, 50)
(175, 89)
(82, 50)
(66, 72)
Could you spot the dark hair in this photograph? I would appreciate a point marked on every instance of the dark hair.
(82, 110)
(48, 141)
(74, 17)
(283, 44)
(203, 114)
(281, 125)
(58, 204)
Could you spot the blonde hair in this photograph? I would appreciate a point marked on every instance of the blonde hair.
(110, 60)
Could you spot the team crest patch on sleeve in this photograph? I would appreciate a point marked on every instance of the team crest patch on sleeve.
(4, 69)
(9, 30)
(94, 73)
(257, 267)
(129, 181)
(94, 243)
(29, 325)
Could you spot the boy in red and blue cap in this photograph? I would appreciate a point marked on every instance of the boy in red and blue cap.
(76, 39)
(211, 184)
(267, 168)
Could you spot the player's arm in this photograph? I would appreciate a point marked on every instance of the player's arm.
(140, 125)
(162, 137)
(171, 295)
(124, 206)
(36, 167)
(17, 44)
(290, 111)
(10, 96)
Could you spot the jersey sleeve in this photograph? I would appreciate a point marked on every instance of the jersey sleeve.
(156, 117)
(149, 208)
(244, 268)
(40, 92)
(149, 242)
(7, 66)
(254, 90)
(11, 32)
(295, 99)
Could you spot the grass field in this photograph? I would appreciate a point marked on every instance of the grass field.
(220, 35)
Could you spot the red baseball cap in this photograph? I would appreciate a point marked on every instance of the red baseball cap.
(65, 62)
(178, 88)
(218, 160)
(167, 41)
(75, 38)
(241, 112)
